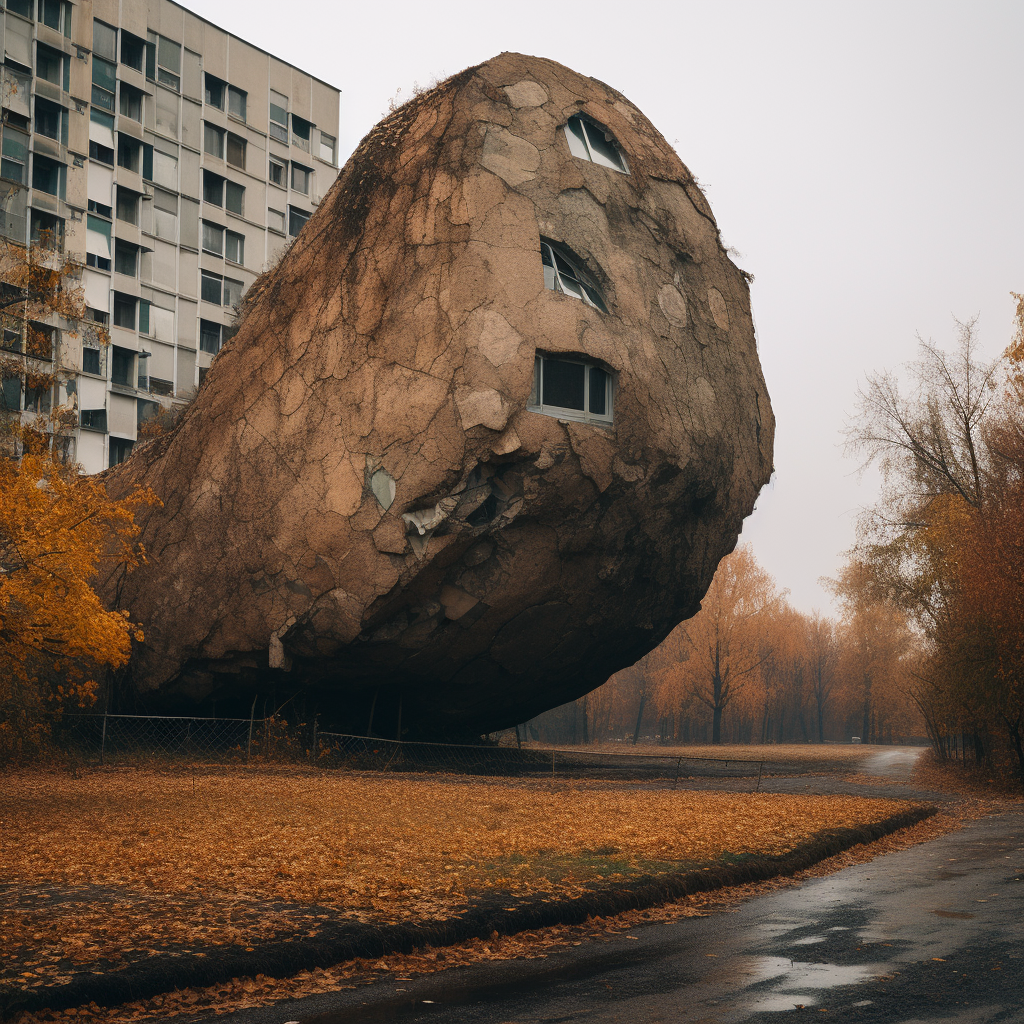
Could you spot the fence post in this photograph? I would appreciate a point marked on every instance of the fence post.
(252, 714)
(103, 738)
(675, 782)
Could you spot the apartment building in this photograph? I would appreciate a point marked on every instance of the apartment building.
(173, 160)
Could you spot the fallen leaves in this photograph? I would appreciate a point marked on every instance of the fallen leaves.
(119, 866)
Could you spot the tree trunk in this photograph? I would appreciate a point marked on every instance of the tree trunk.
(639, 717)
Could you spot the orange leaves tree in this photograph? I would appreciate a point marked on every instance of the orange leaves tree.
(943, 544)
(724, 642)
(55, 635)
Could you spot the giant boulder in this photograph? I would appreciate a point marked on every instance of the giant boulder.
(365, 505)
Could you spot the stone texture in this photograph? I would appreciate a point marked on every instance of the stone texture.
(359, 506)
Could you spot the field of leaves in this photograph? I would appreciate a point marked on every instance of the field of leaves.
(114, 866)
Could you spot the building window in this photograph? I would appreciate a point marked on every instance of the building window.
(296, 220)
(232, 292)
(104, 40)
(14, 160)
(23, 7)
(278, 117)
(91, 360)
(234, 247)
(122, 366)
(120, 449)
(129, 153)
(213, 140)
(48, 175)
(163, 61)
(213, 92)
(10, 394)
(127, 205)
(53, 66)
(209, 336)
(278, 173)
(301, 130)
(275, 220)
(40, 341)
(101, 154)
(564, 273)
(236, 151)
(571, 388)
(130, 102)
(236, 103)
(46, 229)
(328, 148)
(165, 214)
(124, 311)
(97, 242)
(210, 288)
(165, 167)
(93, 419)
(126, 258)
(56, 14)
(51, 120)
(213, 188)
(589, 141)
(104, 82)
(300, 178)
(234, 198)
(133, 51)
(213, 238)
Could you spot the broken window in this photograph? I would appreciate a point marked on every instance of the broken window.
(571, 388)
(564, 273)
(589, 141)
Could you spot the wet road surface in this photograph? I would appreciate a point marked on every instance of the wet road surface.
(932, 933)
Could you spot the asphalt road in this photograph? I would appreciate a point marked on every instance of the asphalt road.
(932, 933)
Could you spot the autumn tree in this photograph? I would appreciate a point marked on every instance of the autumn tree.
(822, 647)
(723, 641)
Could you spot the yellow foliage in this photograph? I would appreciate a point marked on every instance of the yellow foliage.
(55, 529)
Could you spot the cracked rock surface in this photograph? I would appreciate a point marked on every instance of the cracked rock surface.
(360, 505)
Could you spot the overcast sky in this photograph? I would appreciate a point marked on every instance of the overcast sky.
(865, 159)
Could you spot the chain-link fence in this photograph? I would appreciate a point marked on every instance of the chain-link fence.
(114, 739)
(109, 739)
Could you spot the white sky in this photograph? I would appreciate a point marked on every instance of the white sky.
(865, 159)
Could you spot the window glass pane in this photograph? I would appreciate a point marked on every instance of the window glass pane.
(22, 7)
(327, 147)
(213, 188)
(232, 292)
(90, 361)
(213, 238)
(278, 107)
(563, 384)
(124, 313)
(49, 65)
(169, 55)
(275, 220)
(166, 201)
(143, 316)
(209, 336)
(133, 51)
(49, 13)
(213, 140)
(300, 179)
(296, 220)
(236, 151)
(165, 169)
(236, 103)
(574, 133)
(235, 198)
(104, 40)
(277, 173)
(104, 74)
(214, 92)
(167, 112)
(15, 155)
(130, 104)
(126, 259)
(602, 150)
(210, 290)
(598, 391)
(234, 247)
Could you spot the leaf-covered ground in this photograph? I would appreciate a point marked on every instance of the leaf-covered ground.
(113, 867)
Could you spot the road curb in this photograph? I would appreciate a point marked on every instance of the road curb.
(338, 943)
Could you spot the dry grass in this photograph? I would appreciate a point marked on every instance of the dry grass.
(114, 866)
(844, 754)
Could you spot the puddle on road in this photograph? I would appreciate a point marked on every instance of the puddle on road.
(799, 984)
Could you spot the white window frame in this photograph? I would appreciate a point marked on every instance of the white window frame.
(584, 415)
(584, 149)
(563, 272)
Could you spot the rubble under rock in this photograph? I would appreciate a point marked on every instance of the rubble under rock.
(370, 503)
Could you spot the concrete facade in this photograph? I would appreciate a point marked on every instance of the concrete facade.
(175, 161)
